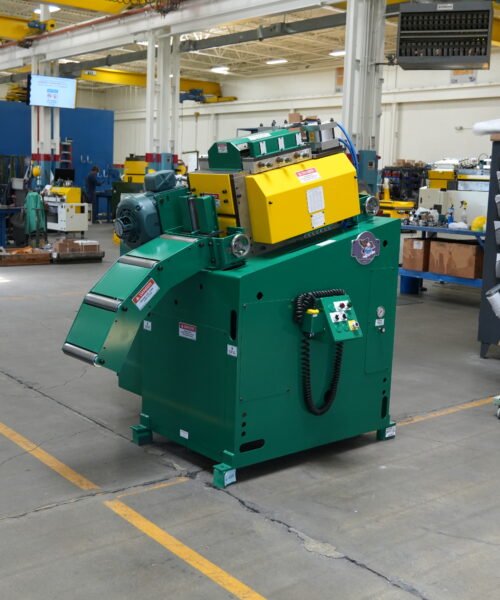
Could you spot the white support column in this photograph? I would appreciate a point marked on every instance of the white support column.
(56, 120)
(175, 91)
(34, 112)
(44, 12)
(214, 126)
(150, 92)
(364, 45)
(394, 134)
(165, 94)
(44, 118)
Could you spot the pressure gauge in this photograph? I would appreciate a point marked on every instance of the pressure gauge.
(372, 206)
(380, 312)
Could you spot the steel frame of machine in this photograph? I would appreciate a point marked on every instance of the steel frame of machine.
(263, 336)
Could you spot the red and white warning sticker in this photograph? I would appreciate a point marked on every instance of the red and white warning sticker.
(145, 294)
(187, 331)
(308, 175)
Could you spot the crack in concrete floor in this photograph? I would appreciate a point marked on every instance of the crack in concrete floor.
(317, 547)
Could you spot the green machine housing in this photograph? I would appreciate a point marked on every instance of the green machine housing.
(244, 358)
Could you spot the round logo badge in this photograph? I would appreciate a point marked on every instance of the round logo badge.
(365, 248)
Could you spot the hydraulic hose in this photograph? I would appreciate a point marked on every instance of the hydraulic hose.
(302, 304)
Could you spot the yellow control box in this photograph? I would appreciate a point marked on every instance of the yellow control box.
(291, 201)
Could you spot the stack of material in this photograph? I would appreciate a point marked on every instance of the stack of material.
(66, 249)
(20, 257)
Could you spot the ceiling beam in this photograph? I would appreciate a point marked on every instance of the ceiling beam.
(118, 30)
(275, 30)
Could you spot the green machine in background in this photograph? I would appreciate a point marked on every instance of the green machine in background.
(254, 312)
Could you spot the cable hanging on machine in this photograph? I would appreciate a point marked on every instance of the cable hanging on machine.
(302, 304)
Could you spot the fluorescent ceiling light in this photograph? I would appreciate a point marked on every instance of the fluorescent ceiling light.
(65, 61)
(277, 61)
(142, 43)
(223, 70)
(52, 8)
(337, 53)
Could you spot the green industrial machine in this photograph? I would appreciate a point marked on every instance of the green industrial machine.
(254, 310)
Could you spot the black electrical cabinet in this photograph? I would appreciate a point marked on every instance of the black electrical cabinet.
(489, 323)
(445, 35)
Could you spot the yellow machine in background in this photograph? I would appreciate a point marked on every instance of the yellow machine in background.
(134, 169)
(66, 211)
(67, 194)
(399, 209)
(438, 179)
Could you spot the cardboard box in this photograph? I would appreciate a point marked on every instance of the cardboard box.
(87, 245)
(456, 259)
(416, 254)
(294, 117)
(24, 257)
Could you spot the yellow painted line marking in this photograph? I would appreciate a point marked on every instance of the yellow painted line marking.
(154, 487)
(47, 459)
(446, 411)
(185, 553)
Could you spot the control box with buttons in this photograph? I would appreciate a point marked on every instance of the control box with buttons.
(341, 318)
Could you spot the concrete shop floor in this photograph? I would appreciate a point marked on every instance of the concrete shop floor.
(417, 517)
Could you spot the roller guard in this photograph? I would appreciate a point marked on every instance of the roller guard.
(111, 313)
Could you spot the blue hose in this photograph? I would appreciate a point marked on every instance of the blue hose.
(349, 144)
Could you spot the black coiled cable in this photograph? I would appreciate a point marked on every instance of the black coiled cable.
(302, 304)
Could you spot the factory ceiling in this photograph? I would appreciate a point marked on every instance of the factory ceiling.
(301, 51)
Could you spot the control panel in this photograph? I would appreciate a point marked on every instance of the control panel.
(341, 318)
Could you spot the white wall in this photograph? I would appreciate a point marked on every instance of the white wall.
(90, 98)
(424, 116)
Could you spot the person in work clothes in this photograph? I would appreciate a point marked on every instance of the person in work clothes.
(91, 182)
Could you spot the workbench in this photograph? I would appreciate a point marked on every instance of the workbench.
(5, 213)
(411, 281)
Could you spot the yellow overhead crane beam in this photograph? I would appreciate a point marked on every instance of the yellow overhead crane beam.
(105, 6)
(211, 89)
(16, 28)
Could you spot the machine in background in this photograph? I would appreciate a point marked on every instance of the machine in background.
(65, 210)
(456, 187)
(400, 186)
(254, 311)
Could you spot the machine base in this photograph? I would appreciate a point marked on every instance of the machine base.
(387, 433)
(224, 475)
(142, 433)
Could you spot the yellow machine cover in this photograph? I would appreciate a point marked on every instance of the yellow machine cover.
(71, 194)
(293, 200)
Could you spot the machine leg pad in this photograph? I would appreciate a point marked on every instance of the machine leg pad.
(141, 435)
(224, 475)
(387, 433)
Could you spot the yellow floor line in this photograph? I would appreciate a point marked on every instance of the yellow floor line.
(47, 459)
(154, 487)
(446, 411)
(191, 557)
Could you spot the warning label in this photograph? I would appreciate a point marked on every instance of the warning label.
(308, 175)
(144, 295)
(187, 331)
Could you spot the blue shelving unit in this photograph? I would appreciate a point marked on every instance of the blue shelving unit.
(411, 281)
